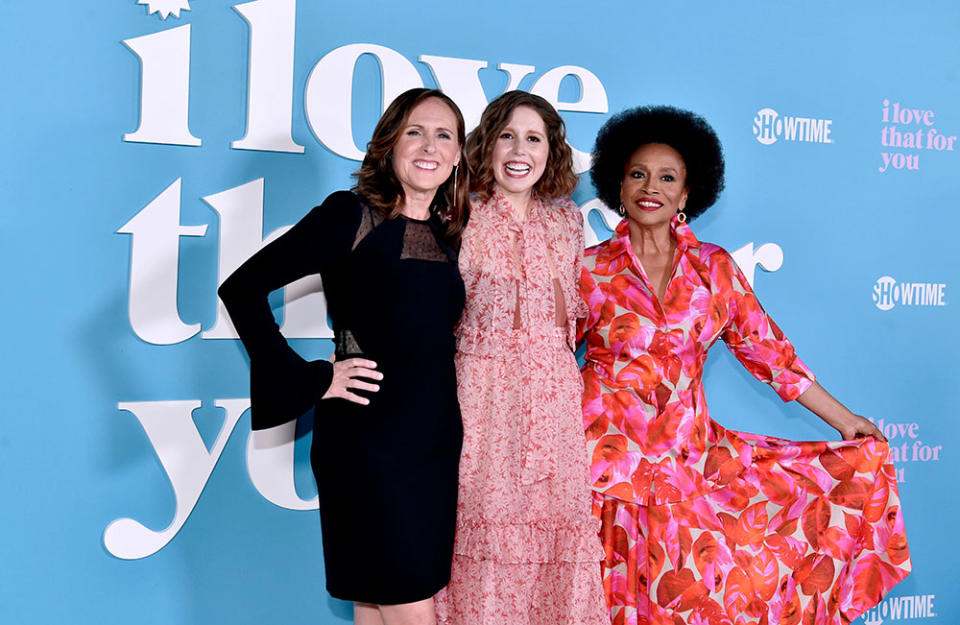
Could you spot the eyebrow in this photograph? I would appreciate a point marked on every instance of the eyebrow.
(421, 127)
(507, 128)
(645, 166)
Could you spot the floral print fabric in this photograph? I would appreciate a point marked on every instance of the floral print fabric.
(526, 549)
(707, 525)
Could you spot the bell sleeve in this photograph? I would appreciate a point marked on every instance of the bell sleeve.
(754, 338)
(283, 385)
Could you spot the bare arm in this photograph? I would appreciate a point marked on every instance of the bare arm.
(817, 400)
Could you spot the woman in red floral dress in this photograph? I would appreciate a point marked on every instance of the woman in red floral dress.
(526, 550)
(701, 524)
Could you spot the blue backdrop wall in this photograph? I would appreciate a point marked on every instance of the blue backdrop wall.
(149, 147)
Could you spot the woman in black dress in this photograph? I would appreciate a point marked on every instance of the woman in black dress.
(387, 431)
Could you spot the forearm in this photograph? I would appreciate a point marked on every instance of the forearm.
(249, 310)
(817, 400)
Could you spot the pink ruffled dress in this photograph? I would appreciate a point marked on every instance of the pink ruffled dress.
(527, 549)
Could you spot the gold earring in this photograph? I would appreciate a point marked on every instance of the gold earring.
(622, 210)
(681, 216)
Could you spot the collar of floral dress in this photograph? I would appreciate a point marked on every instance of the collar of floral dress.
(620, 242)
(502, 206)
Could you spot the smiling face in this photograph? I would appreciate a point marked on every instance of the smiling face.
(520, 153)
(427, 149)
(654, 184)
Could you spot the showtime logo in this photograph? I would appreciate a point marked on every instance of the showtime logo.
(769, 126)
(900, 608)
(887, 293)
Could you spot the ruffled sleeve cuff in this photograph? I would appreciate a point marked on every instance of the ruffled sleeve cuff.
(285, 390)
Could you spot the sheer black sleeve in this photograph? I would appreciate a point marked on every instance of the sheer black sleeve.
(283, 385)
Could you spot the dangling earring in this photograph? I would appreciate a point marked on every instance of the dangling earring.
(622, 210)
(456, 168)
(681, 216)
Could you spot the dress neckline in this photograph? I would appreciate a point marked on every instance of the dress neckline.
(415, 220)
(498, 201)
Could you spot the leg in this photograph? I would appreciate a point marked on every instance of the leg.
(416, 613)
(366, 614)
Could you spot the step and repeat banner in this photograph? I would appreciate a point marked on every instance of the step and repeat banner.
(150, 146)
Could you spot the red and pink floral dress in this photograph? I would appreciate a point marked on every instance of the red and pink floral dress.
(526, 550)
(707, 525)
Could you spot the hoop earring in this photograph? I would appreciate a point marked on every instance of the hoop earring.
(681, 216)
(622, 210)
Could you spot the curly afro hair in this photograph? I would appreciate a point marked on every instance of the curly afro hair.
(687, 133)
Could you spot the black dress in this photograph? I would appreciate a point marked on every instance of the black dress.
(386, 472)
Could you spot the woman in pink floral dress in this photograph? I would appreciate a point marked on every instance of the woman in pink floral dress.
(702, 524)
(526, 549)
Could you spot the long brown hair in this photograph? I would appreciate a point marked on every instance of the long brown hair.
(558, 178)
(377, 182)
